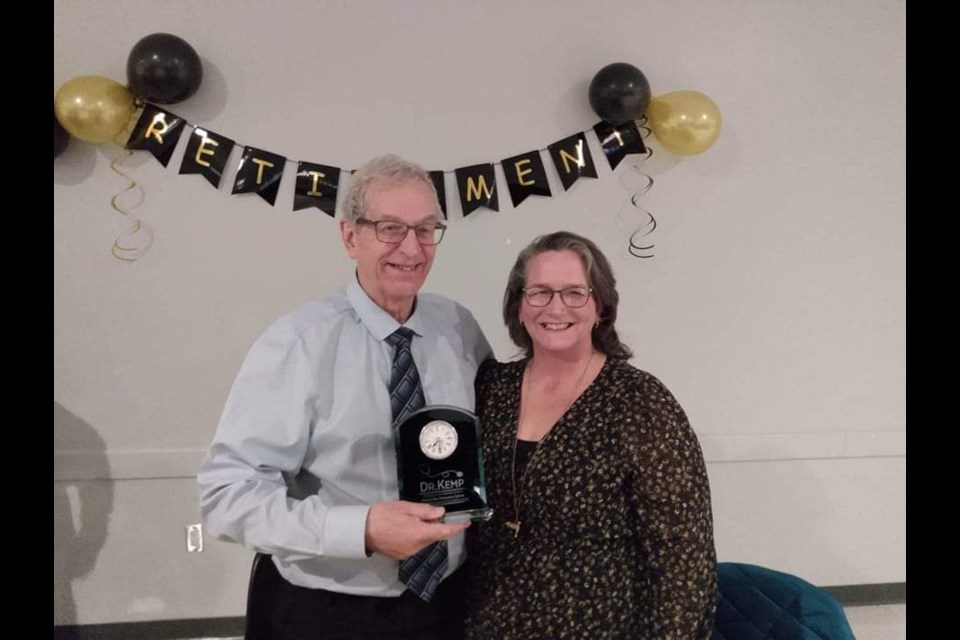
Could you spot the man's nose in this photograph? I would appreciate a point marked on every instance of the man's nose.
(410, 245)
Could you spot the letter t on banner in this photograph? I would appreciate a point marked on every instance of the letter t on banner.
(618, 140)
(259, 172)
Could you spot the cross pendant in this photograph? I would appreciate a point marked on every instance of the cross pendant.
(514, 525)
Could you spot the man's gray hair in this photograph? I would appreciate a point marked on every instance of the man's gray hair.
(390, 169)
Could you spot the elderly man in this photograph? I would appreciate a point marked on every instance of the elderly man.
(303, 465)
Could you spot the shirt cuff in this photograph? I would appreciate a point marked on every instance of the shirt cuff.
(344, 531)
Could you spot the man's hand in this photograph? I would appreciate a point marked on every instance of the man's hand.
(400, 529)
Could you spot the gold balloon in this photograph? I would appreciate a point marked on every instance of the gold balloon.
(93, 108)
(685, 122)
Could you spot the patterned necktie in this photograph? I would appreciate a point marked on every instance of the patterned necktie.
(421, 572)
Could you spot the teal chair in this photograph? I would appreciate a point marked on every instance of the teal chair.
(755, 603)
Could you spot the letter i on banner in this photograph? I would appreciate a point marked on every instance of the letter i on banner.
(317, 186)
(259, 172)
(207, 153)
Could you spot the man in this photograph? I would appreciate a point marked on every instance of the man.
(303, 465)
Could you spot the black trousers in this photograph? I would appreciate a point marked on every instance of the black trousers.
(314, 614)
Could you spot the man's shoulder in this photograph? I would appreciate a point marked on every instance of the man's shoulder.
(434, 303)
(316, 315)
(449, 318)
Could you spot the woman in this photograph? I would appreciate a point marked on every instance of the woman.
(602, 525)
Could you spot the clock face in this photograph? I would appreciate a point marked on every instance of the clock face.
(438, 440)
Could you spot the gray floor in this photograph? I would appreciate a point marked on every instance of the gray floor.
(885, 622)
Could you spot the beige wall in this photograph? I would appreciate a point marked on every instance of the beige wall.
(774, 308)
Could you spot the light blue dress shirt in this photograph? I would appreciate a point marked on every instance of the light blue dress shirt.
(305, 446)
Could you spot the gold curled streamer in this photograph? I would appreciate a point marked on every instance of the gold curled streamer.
(140, 235)
(638, 247)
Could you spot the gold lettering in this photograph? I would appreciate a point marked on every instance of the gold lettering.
(316, 178)
(260, 165)
(521, 173)
(473, 191)
(158, 128)
(202, 150)
(579, 160)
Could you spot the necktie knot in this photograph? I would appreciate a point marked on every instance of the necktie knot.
(401, 337)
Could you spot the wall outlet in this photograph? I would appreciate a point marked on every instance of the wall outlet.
(194, 538)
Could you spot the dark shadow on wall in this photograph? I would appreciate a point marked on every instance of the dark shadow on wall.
(82, 503)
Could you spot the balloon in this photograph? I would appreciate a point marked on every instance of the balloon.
(619, 93)
(93, 108)
(685, 122)
(60, 136)
(163, 68)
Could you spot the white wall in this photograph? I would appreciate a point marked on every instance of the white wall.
(774, 308)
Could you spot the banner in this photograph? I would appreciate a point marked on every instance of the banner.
(437, 178)
(316, 187)
(619, 140)
(157, 131)
(259, 172)
(317, 184)
(207, 154)
(525, 176)
(478, 188)
(572, 159)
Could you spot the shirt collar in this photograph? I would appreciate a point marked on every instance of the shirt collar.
(378, 322)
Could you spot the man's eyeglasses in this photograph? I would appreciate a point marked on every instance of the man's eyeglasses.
(573, 297)
(428, 233)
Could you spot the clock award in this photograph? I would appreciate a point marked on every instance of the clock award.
(439, 462)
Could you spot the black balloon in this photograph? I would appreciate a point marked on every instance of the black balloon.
(619, 93)
(60, 137)
(164, 69)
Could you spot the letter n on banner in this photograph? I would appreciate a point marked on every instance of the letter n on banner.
(157, 131)
(573, 160)
(526, 176)
(316, 187)
(618, 140)
(478, 188)
(207, 153)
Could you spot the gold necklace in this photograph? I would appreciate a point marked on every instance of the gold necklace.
(514, 525)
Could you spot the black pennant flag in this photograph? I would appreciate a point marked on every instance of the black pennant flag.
(573, 160)
(316, 187)
(525, 176)
(207, 153)
(259, 172)
(478, 188)
(157, 131)
(618, 140)
(437, 178)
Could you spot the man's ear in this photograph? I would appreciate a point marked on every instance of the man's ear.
(348, 233)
